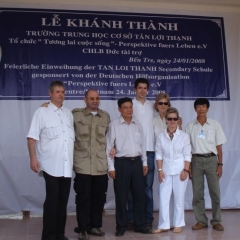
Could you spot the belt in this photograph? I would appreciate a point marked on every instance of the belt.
(128, 158)
(204, 155)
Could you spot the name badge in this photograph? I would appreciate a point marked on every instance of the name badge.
(201, 135)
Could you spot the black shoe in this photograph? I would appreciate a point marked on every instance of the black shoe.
(130, 226)
(144, 231)
(149, 226)
(82, 236)
(119, 233)
(96, 232)
(62, 238)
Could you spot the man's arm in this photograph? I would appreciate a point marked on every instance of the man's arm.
(32, 152)
(144, 153)
(219, 155)
(110, 137)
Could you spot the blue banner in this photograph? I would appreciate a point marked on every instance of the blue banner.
(184, 56)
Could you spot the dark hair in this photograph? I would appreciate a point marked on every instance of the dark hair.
(123, 100)
(55, 84)
(86, 93)
(201, 101)
(141, 80)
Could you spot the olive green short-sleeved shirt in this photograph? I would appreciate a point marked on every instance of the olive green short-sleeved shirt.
(90, 141)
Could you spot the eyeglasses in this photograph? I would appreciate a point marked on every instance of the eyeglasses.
(93, 98)
(163, 103)
(174, 119)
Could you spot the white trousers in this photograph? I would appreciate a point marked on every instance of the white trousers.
(171, 185)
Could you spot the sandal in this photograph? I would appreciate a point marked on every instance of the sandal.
(159, 230)
(177, 230)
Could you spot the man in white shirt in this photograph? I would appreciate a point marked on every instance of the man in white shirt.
(128, 167)
(207, 137)
(50, 144)
(143, 111)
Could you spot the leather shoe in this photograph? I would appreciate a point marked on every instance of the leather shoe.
(130, 226)
(199, 226)
(218, 227)
(82, 236)
(149, 226)
(96, 232)
(62, 238)
(144, 231)
(119, 233)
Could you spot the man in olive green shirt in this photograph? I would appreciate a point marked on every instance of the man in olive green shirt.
(90, 165)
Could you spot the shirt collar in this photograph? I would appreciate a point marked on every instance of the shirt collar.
(54, 107)
(196, 121)
(87, 112)
(146, 101)
(177, 132)
(123, 121)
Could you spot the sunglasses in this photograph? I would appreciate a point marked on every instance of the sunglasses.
(94, 98)
(163, 103)
(174, 119)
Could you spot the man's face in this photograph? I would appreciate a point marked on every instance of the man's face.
(201, 110)
(126, 110)
(57, 95)
(92, 101)
(141, 90)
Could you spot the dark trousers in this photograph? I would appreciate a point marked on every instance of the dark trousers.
(129, 177)
(149, 178)
(90, 199)
(55, 206)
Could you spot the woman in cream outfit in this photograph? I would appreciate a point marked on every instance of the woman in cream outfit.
(173, 156)
(162, 103)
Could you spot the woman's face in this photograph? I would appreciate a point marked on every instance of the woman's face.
(171, 120)
(162, 106)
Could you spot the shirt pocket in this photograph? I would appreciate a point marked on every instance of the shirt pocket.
(52, 130)
(210, 136)
(82, 131)
(138, 138)
(178, 147)
(101, 132)
(101, 161)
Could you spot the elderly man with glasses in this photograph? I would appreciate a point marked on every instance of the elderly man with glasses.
(90, 165)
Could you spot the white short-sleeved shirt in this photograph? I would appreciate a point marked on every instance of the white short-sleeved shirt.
(173, 152)
(144, 113)
(127, 139)
(159, 125)
(204, 139)
(52, 128)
